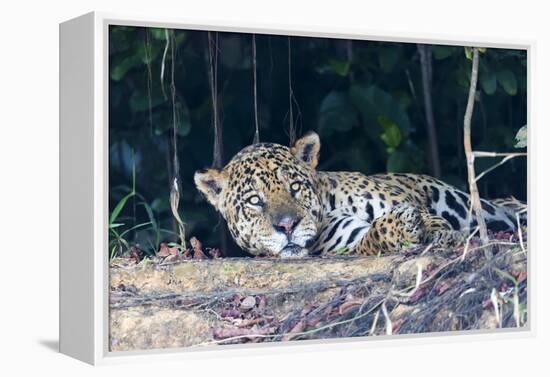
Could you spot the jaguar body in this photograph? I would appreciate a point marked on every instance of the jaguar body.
(276, 203)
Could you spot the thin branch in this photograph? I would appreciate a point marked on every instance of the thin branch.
(475, 201)
(496, 154)
(520, 232)
(254, 69)
(509, 157)
(496, 307)
(389, 328)
(467, 243)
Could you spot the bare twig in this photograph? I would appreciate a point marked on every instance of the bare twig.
(497, 154)
(475, 202)
(508, 156)
(520, 232)
(515, 300)
(417, 283)
(426, 69)
(496, 307)
(389, 328)
(467, 243)
(374, 323)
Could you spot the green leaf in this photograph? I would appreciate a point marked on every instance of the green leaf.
(342, 250)
(391, 135)
(374, 102)
(442, 52)
(521, 138)
(468, 53)
(120, 205)
(159, 34)
(507, 80)
(153, 222)
(119, 69)
(488, 82)
(339, 67)
(336, 114)
(134, 228)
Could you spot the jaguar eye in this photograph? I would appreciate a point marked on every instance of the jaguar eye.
(254, 200)
(294, 187)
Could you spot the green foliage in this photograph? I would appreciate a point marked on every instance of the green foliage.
(366, 103)
(339, 67)
(336, 114)
(391, 135)
(488, 82)
(521, 138)
(507, 80)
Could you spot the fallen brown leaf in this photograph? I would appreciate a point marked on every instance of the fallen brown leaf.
(298, 328)
(349, 305)
(164, 250)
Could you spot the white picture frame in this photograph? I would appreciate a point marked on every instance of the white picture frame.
(84, 189)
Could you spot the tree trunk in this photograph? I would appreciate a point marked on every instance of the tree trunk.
(426, 69)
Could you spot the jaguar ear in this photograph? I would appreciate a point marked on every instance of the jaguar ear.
(307, 149)
(211, 182)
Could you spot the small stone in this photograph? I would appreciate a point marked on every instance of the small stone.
(248, 303)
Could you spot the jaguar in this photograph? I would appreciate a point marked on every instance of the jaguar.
(276, 203)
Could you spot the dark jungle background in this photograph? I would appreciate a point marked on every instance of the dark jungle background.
(365, 99)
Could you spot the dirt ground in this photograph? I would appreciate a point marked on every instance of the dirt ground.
(178, 301)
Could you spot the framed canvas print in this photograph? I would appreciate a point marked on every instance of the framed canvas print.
(237, 188)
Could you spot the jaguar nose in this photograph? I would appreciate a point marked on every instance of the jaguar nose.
(286, 224)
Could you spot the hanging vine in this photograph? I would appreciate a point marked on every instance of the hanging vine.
(213, 78)
(291, 125)
(175, 189)
(148, 60)
(255, 80)
(217, 155)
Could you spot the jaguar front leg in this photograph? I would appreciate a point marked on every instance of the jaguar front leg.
(440, 233)
(407, 226)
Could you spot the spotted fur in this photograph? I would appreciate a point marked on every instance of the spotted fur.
(276, 203)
